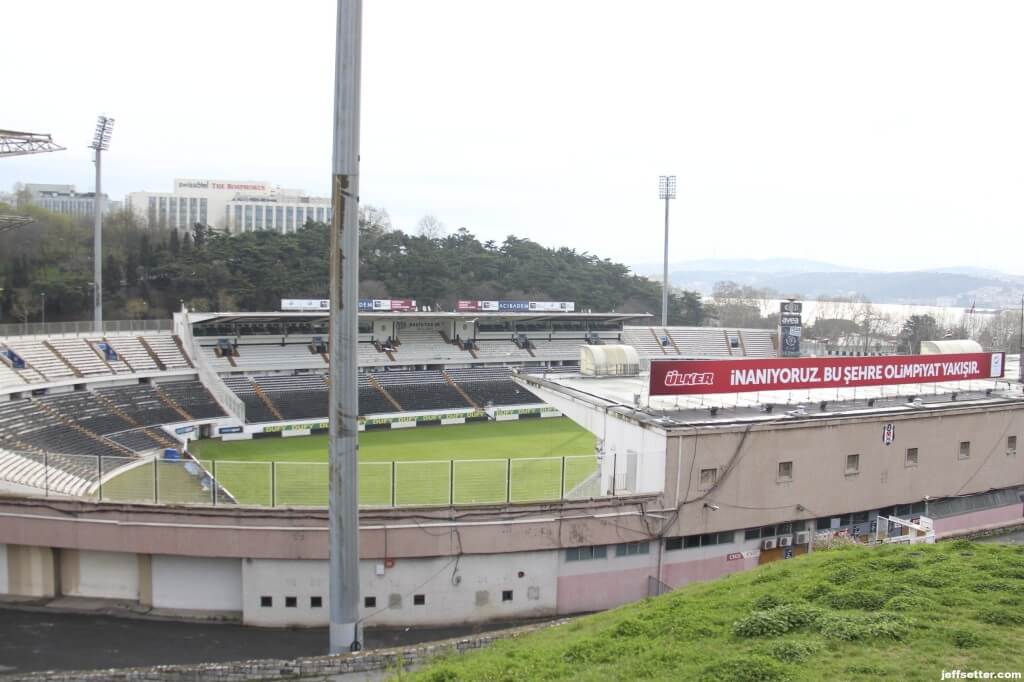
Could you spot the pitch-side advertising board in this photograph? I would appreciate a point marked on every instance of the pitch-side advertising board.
(696, 377)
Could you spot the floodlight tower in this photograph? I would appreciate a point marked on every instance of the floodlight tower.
(666, 191)
(100, 144)
(343, 402)
(16, 143)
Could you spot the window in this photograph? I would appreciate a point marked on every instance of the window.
(823, 524)
(917, 508)
(586, 553)
(673, 543)
(631, 548)
(506, 595)
(785, 471)
(752, 534)
(726, 538)
(785, 528)
(768, 532)
(266, 602)
(369, 602)
(291, 602)
(859, 517)
(734, 341)
(1011, 446)
(707, 477)
(799, 526)
(419, 599)
(911, 460)
(853, 464)
(259, 218)
(316, 602)
(691, 541)
(965, 449)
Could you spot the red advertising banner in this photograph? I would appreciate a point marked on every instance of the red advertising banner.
(403, 305)
(695, 377)
(467, 306)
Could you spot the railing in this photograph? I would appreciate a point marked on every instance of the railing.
(81, 327)
(218, 389)
(304, 484)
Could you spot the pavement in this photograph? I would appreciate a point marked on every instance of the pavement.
(42, 639)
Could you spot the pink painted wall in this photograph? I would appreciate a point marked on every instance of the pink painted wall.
(680, 573)
(599, 591)
(980, 520)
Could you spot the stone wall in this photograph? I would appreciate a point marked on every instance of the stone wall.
(277, 669)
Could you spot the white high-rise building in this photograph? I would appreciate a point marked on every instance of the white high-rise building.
(232, 205)
(65, 200)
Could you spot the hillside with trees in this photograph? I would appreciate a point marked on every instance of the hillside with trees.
(149, 273)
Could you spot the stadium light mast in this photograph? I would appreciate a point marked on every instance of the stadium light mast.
(100, 144)
(344, 329)
(666, 191)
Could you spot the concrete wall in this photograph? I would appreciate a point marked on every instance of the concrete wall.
(31, 571)
(3, 570)
(980, 520)
(749, 492)
(192, 583)
(112, 575)
(466, 589)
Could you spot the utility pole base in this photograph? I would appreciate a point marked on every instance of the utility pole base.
(343, 636)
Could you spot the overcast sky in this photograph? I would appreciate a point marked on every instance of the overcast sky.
(887, 135)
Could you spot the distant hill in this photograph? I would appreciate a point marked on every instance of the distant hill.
(956, 286)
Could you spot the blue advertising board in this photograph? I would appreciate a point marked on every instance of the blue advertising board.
(514, 306)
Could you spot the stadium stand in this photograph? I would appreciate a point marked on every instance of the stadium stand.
(557, 348)
(40, 358)
(424, 390)
(654, 342)
(140, 403)
(77, 353)
(57, 473)
(30, 425)
(295, 397)
(426, 345)
(489, 349)
(491, 386)
(193, 398)
(132, 353)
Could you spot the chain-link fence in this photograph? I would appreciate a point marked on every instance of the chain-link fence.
(303, 484)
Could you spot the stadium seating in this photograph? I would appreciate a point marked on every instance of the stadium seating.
(141, 403)
(132, 353)
(492, 386)
(425, 390)
(77, 352)
(192, 397)
(494, 350)
(422, 346)
(39, 357)
(28, 425)
(59, 474)
(557, 348)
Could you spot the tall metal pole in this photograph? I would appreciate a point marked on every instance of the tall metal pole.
(344, 294)
(666, 191)
(97, 253)
(664, 275)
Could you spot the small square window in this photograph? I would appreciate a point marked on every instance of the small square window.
(673, 543)
(266, 602)
(506, 595)
(691, 541)
(768, 532)
(785, 471)
(859, 517)
(752, 534)
(785, 528)
(1011, 446)
(291, 602)
(965, 449)
(631, 548)
(316, 602)
(823, 523)
(911, 460)
(707, 477)
(727, 538)
(419, 599)
(852, 464)
(369, 602)
(708, 539)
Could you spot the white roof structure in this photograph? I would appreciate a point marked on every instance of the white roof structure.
(950, 346)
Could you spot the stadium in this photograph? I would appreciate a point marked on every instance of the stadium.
(180, 471)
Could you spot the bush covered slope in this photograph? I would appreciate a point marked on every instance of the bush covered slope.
(895, 612)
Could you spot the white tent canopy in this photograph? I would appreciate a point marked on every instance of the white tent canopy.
(609, 361)
(950, 346)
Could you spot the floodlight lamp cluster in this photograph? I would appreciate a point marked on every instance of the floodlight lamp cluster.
(667, 187)
(104, 129)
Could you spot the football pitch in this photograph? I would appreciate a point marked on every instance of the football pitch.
(475, 463)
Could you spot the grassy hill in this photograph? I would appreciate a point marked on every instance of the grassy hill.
(893, 613)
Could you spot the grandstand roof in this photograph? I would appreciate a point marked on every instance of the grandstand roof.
(201, 319)
(618, 394)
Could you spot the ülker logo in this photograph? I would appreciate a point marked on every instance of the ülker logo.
(676, 378)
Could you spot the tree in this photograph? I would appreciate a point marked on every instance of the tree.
(918, 328)
(430, 227)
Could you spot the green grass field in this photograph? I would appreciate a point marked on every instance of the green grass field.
(887, 613)
(475, 463)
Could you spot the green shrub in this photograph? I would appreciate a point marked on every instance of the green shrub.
(993, 586)
(843, 574)
(852, 627)
(931, 579)
(752, 668)
(908, 602)
(856, 599)
(1001, 616)
(767, 601)
(776, 621)
(791, 651)
(770, 574)
(630, 627)
(966, 639)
